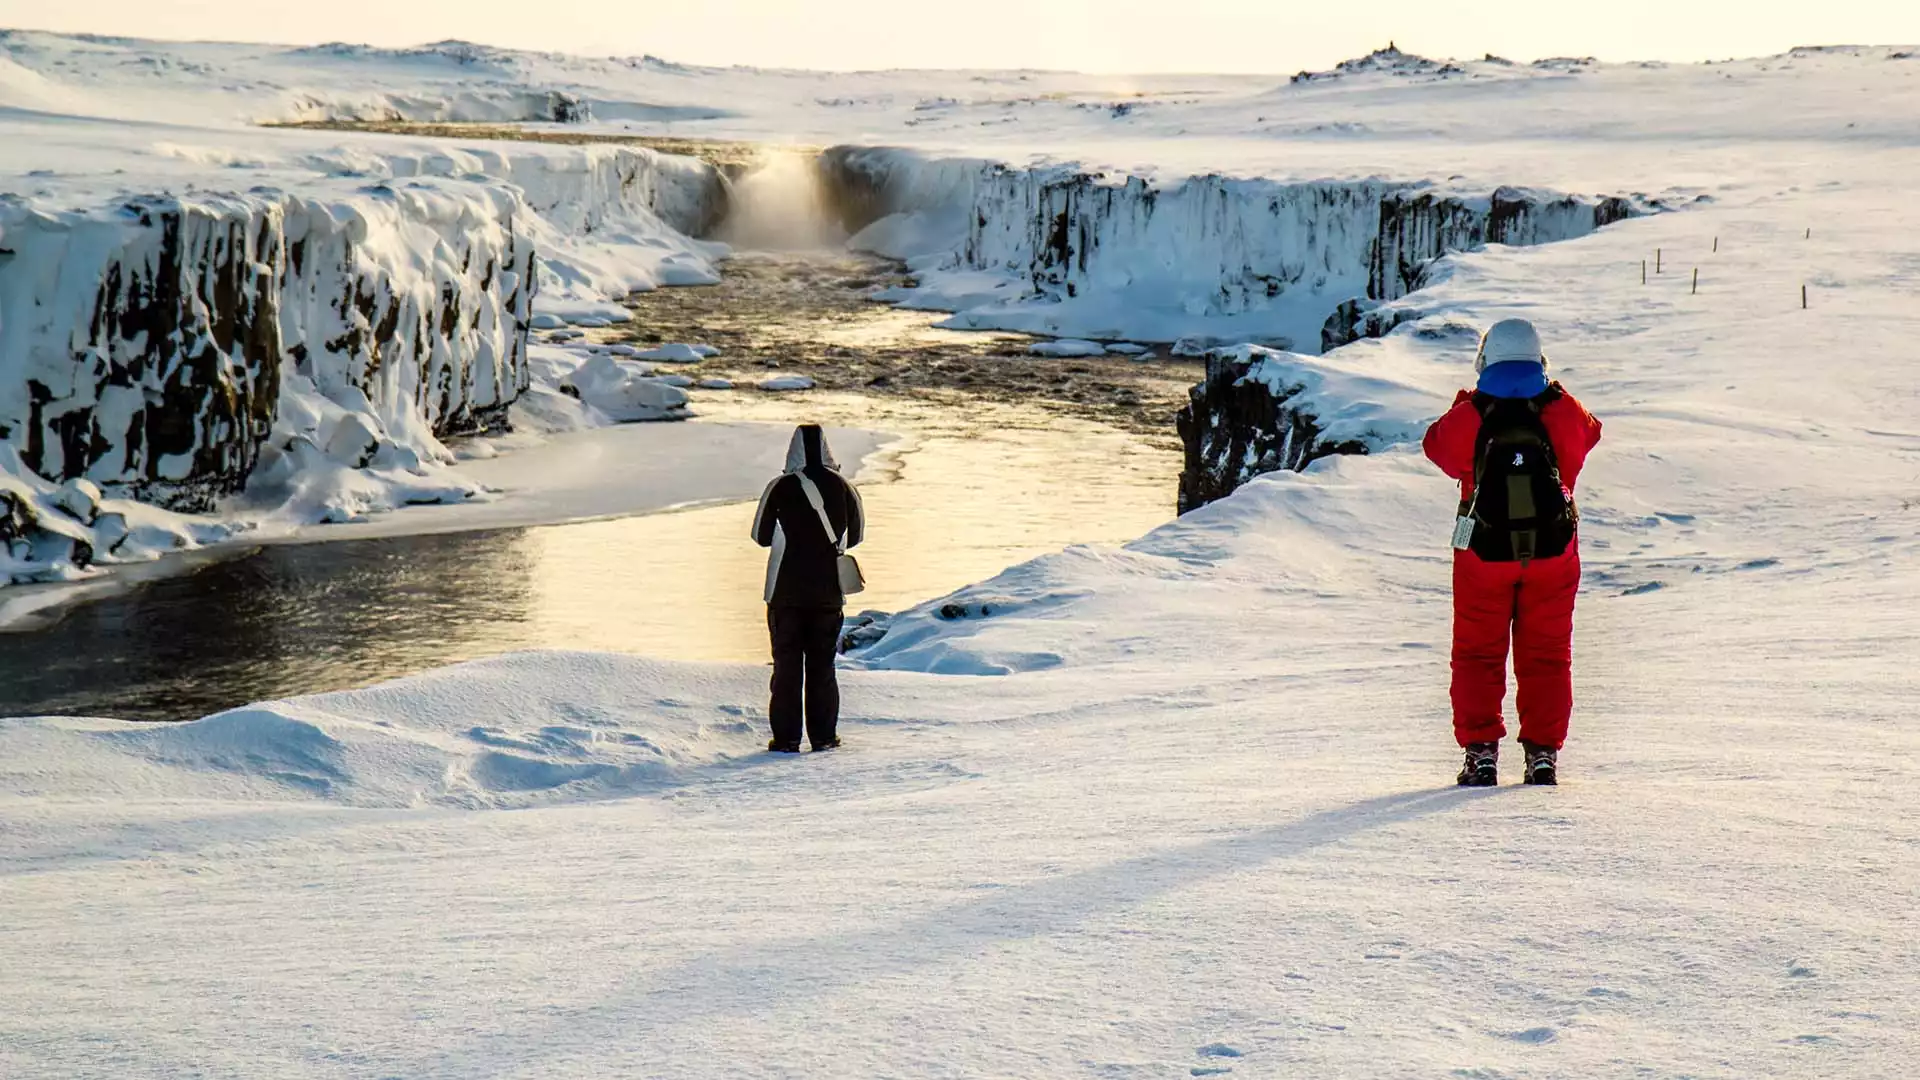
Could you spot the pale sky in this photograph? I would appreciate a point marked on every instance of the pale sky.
(1277, 36)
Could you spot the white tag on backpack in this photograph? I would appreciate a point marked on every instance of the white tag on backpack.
(1462, 533)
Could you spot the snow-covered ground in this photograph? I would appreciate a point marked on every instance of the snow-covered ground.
(1182, 808)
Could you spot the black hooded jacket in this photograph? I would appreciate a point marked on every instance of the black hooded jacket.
(802, 570)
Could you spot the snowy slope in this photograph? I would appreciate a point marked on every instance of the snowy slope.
(1178, 809)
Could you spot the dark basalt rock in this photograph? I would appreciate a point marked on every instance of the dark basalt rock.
(863, 631)
(1236, 429)
(565, 108)
(177, 373)
(170, 385)
(1418, 228)
(1359, 319)
(859, 184)
(25, 537)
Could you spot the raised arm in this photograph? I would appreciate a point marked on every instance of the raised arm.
(1449, 442)
(1574, 432)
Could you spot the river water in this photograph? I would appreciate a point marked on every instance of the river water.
(974, 486)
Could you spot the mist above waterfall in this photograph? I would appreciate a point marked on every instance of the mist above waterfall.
(780, 204)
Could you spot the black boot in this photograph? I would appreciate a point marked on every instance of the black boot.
(778, 747)
(1542, 765)
(1482, 767)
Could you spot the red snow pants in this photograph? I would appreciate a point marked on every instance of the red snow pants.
(1531, 605)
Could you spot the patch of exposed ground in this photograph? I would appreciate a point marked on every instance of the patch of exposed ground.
(813, 314)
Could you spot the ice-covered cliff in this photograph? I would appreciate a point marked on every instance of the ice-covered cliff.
(170, 348)
(144, 344)
(1262, 410)
(1057, 250)
(1419, 227)
(1291, 265)
(1219, 246)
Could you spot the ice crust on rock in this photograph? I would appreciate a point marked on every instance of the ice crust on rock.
(675, 353)
(1067, 348)
(627, 392)
(168, 348)
(1066, 253)
(1263, 410)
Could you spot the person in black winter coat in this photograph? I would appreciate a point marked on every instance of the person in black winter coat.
(805, 606)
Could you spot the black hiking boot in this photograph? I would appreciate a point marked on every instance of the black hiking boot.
(1542, 765)
(830, 744)
(1482, 767)
(777, 747)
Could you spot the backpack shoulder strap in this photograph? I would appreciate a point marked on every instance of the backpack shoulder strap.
(819, 504)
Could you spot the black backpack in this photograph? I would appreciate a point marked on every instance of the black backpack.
(1520, 510)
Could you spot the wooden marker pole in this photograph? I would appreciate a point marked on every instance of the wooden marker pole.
(1803, 298)
(1643, 271)
(1696, 281)
(1659, 257)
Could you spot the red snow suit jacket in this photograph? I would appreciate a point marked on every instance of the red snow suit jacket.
(1571, 428)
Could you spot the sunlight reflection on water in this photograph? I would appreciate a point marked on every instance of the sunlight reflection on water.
(974, 488)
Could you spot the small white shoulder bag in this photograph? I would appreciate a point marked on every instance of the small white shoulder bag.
(851, 579)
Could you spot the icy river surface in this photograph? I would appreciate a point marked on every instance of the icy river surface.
(974, 486)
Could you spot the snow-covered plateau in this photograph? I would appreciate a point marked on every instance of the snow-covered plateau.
(1179, 808)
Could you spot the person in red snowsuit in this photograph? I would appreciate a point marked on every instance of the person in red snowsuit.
(1529, 603)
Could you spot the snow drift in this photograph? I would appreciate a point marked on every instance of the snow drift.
(461, 751)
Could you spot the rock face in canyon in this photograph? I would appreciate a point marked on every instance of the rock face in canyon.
(1217, 246)
(1227, 246)
(860, 185)
(146, 347)
(146, 344)
(1224, 246)
(1418, 228)
(1236, 427)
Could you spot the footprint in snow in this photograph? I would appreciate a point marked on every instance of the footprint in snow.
(1219, 1050)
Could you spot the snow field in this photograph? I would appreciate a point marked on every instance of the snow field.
(1182, 806)
(1170, 809)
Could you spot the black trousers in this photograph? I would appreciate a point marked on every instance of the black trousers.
(806, 641)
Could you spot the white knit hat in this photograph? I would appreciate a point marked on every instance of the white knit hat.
(1509, 341)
